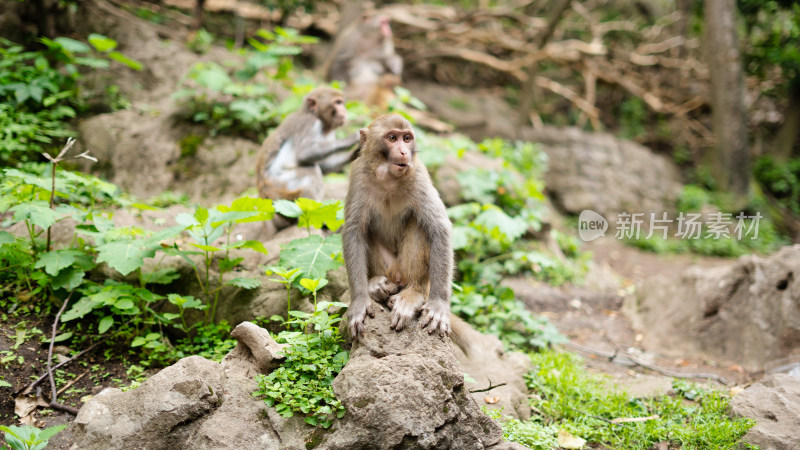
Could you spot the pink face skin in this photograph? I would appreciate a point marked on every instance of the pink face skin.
(341, 112)
(400, 149)
(386, 30)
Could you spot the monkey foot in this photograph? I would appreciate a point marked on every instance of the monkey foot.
(356, 316)
(405, 305)
(436, 318)
(380, 288)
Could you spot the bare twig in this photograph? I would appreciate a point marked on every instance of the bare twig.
(54, 398)
(71, 382)
(41, 378)
(491, 386)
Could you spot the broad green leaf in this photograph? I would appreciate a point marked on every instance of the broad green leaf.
(494, 218)
(125, 256)
(62, 337)
(164, 275)
(201, 215)
(102, 43)
(71, 45)
(287, 208)
(205, 248)
(37, 211)
(185, 301)
(229, 263)
(56, 260)
(79, 309)
(245, 283)
(314, 285)
(68, 279)
(252, 245)
(4, 383)
(119, 57)
(124, 303)
(6, 238)
(48, 433)
(138, 341)
(313, 255)
(105, 324)
(248, 204)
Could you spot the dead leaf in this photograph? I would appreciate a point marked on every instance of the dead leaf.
(491, 400)
(634, 419)
(566, 440)
(24, 405)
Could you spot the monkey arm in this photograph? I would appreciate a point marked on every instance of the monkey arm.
(335, 162)
(355, 250)
(436, 225)
(310, 151)
(394, 63)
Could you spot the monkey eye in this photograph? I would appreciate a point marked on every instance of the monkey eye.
(392, 138)
(338, 102)
(407, 138)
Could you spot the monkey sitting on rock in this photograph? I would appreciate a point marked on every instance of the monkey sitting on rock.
(295, 155)
(396, 235)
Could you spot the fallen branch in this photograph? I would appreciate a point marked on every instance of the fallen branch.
(612, 357)
(54, 397)
(474, 391)
(41, 378)
(71, 382)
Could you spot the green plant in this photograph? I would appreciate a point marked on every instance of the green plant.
(39, 91)
(531, 434)
(205, 227)
(569, 397)
(303, 384)
(229, 101)
(27, 437)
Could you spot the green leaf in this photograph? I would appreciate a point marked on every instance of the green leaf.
(138, 341)
(287, 208)
(4, 383)
(62, 337)
(245, 283)
(56, 260)
(67, 279)
(82, 307)
(229, 263)
(7, 238)
(248, 204)
(124, 303)
(317, 214)
(48, 433)
(71, 45)
(126, 256)
(164, 275)
(252, 245)
(105, 324)
(119, 57)
(313, 255)
(494, 218)
(205, 248)
(102, 43)
(38, 212)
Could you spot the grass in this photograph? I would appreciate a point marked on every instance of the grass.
(565, 396)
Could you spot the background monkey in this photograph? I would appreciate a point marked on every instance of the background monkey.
(396, 234)
(362, 53)
(303, 147)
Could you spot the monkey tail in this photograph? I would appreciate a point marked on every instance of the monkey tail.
(463, 335)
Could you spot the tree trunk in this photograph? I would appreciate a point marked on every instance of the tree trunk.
(783, 146)
(729, 159)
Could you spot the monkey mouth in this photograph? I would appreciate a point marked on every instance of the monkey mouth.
(401, 165)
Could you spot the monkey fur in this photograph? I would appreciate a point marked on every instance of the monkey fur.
(295, 155)
(396, 235)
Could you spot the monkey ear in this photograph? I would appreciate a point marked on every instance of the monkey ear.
(363, 133)
(311, 104)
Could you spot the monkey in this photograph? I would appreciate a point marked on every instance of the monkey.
(363, 52)
(295, 155)
(383, 92)
(396, 235)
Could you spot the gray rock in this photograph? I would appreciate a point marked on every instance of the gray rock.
(774, 403)
(490, 363)
(255, 352)
(605, 174)
(745, 312)
(405, 390)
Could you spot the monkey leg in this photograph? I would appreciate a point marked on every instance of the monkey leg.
(380, 258)
(410, 270)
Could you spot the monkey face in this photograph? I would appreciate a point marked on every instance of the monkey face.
(338, 112)
(399, 148)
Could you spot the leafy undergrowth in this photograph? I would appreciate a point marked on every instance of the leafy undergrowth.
(567, 399)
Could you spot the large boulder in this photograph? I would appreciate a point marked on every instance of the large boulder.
(774, 403)
(405, 390)
(745, 313)
(605, 174)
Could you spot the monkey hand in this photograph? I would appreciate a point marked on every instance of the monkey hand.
(358, 311)
(380, 288)
(436, 316)
(405, 306)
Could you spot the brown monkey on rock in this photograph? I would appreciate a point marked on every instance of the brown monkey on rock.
(303, 147)
(396, 235)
